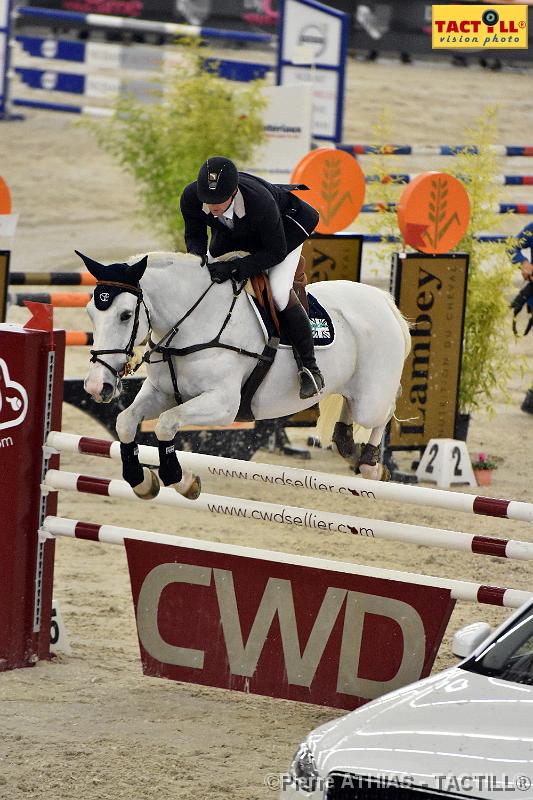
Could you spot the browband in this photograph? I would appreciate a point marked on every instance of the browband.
(126, 286)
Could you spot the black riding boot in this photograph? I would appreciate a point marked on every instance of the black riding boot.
(298, 328)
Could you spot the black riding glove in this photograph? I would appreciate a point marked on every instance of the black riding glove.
(220, 272)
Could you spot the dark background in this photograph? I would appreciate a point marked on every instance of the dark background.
(376, 29)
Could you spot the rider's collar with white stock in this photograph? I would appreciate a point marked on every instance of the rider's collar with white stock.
(104, 294)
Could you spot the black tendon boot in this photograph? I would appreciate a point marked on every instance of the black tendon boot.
(299, 331)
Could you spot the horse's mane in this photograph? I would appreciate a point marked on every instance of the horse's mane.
(232, 255)
(162, 259)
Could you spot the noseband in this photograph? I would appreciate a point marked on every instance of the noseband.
(127, 351)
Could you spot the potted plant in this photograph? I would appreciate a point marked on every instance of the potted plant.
(483, 467)
(487, 364)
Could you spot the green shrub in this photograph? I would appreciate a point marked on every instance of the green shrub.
(163, 144)
(487, 363)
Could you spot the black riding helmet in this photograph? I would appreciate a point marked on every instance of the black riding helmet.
(217, 180)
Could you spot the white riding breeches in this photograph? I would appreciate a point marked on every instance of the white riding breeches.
(281, 277)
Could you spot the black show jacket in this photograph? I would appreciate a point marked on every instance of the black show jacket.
(268, 222)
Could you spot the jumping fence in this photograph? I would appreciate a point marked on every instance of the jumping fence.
(181, 585)
(109, 69)
(102, 70)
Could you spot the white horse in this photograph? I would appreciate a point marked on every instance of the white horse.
(147, 297)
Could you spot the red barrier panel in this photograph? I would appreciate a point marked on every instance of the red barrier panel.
(273, 626)
(31, 390)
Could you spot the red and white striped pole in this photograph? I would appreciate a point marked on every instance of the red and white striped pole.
(110, 534)
(323, 522)
(322, 482)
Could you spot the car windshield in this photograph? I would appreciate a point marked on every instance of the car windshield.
(510, 656)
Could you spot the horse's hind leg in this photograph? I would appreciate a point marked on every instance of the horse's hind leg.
(362, 459)
(342, 437)
(372, 412)
(369, 464)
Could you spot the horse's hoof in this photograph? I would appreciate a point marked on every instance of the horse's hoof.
(371, 472)
(149, 488)
(385, 473)
(375, 472)
(194, 490)
(189, 487)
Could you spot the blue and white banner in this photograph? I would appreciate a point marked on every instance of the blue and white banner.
(312, 49)
(5, 12)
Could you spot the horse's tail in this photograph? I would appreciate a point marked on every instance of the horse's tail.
(330, 413)
(402, 322)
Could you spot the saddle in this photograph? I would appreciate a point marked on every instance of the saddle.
(261, 297)
(259, 287)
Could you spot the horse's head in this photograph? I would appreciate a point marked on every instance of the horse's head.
(120, 322)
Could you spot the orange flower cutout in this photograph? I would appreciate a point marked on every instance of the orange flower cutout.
(337, 187)
(434, 212)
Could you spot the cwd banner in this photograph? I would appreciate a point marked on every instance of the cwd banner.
(284, 626)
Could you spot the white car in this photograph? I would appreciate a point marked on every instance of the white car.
(464, 732)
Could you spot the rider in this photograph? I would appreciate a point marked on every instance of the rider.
(245, 212)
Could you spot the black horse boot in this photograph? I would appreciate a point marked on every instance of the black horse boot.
(299, 331)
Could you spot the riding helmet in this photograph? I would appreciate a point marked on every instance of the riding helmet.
(217, 180)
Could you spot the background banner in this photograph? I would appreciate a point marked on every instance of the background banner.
(430, 290)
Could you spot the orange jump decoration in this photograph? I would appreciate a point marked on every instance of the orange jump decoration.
(434, 212)
(5, 198)
(337, 187)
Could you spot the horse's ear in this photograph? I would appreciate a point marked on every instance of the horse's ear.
(134, 272)
(96, 269)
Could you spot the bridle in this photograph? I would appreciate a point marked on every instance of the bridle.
(129, 350)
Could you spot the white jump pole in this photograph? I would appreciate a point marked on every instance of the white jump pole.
(320, 521)
(324, 482)
(109, 534)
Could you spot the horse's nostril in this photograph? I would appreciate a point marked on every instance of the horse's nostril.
(107, 391)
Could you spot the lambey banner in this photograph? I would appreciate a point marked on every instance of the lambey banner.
(333, 257)
(430, 291)
(267, 624)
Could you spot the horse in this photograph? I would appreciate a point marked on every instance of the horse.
(215, 340)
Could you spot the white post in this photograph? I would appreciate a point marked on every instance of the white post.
(5, 36)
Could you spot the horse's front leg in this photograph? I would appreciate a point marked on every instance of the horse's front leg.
(149, 403)
(209, 408)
